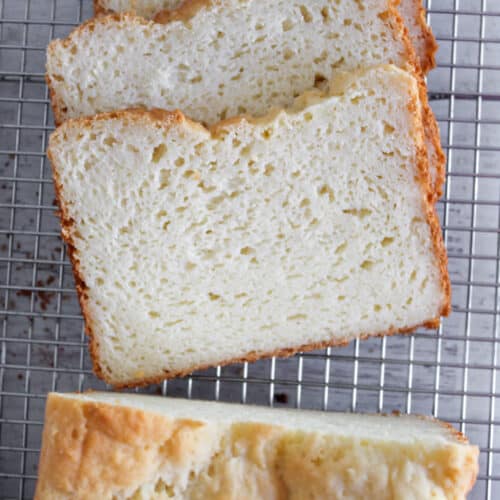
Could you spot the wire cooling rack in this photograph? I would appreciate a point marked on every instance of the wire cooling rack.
(450, 373)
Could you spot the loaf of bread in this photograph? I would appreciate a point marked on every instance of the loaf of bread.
(305, 228)
(215, 60)
(412, 12)
(122, 446)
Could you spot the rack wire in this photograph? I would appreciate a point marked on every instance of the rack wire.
(450, 373)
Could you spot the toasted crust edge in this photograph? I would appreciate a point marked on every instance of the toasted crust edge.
(167, 119)
(431, 130)
(142, 425)
(99, 10)
(428, 56)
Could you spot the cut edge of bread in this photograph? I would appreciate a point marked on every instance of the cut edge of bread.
(166, 120)
(190, 8)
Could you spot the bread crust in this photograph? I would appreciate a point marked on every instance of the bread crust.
(166, 119)
(427, 57)
(80, 440)
(184, 11)
(431, 130)
(90, 448)
(99, 10)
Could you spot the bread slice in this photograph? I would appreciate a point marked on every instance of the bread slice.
(105, 445)
(214, 60)
(412, 12)
(306, 228)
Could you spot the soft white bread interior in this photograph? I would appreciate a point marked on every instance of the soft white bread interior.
(124, 446)
(215, 60)
(308, 227)
(411, 10)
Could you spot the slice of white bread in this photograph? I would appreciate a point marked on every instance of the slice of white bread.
(129, 446)
(412, 12)
(214, 60)
(306, 228)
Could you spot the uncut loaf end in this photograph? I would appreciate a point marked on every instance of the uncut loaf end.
(306, 228)
(130, 446)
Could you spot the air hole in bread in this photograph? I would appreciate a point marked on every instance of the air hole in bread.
(320, 81)
(306, 15)
(158, 153)
(367, 265)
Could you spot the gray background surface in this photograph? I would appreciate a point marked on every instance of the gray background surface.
(451, 373)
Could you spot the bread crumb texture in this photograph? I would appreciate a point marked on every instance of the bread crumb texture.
(216, 60)
(95, 450)
(411, 11)
(194, 247)
(229, 58)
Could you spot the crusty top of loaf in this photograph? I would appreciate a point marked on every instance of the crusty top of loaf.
(94, 447)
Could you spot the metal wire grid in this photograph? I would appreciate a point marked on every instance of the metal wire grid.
(450, 373)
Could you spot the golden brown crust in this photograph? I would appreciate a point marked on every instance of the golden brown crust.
(88, 447)
(431, 130)
(57, 108)
(167, 119)
(93, 449)
(429, 199)
(185, 11)
(99, 10)
(472, 467)
(427, 57)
